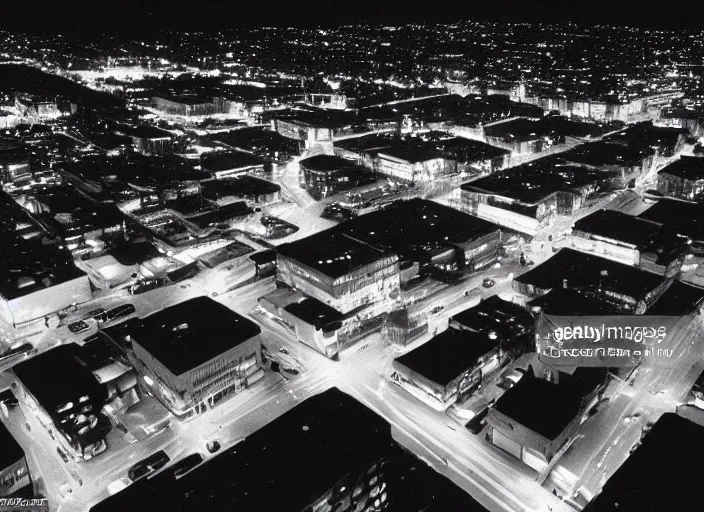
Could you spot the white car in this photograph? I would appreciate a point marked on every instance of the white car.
(118, 485)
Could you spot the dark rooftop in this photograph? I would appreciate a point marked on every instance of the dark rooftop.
(448, 354)
(145, 131)
(326, 163)
(412, 152)
(678, 299)
(314, 312)
(567, 302)
(529, 129)
(461, 149)
(313, 447)
(41, 375)
(331, 252)
(607, 153)
(366, 142)
(189, 334)
(531, 402)
(619, 226)
(534, 181)
(687, 167)
(134, 253)
(10, 450)
(238, 186)
(227, 160)
(680, 216)
(657, 476)
(506, 318)
(585, 270)
(186, 99)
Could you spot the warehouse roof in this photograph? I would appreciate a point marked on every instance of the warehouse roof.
(687, 167)
(680, 216)
(586, 270)
(532, 182)
(526, 402)
(331, 435)
(192, 333)
(618, 226)
(447, 355)
(654, 476)
(607, 153)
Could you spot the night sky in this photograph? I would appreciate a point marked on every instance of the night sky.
(140, 17)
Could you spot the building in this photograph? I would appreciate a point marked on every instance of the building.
(242, 186)
(313, 323)
(188, 105)
(673, 444)
(14, 163)
(664, 141)
(527, 421)
(38, 278)
(687, 118)
(38, 108)
(14, 471)
(630, 240)
(149, 140)
(624, 286)
(622, 162)
(527, 197)
(67, 399)
(224, 164)
(194, 354)
(326, 175)
(683, 179)
(448, 367)
(338, 270)
(327, 453)
(414, 163)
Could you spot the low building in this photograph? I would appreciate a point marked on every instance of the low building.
(673, 444)
(623, 163)
(14, 471)
(413, 163)
(187, 105)
(471, 156)
(536, 418)
(687, 118)
(14, 163)
(326, 175)
(664, 141)
(67, 399)
(224, 164)
(194, 354)
(630, 240)
(242, 186)
(683, 179)
(327, 453)
(448, 367)
(39, 108)
(624, 286)
(338, 270)
(149, 140)
(527, 197)
(314, 323)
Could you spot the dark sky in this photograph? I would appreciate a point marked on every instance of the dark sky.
(135, 16)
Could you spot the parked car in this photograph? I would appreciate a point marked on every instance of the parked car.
(488, 282)
(78, 327)
(25, 349)
(186, 464)
(476, 424)
(212, 446)
(8, 398)
(120, 312)
(95, 314)
(149, 465)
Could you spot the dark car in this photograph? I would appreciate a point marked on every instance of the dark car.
(78, 327)
(120, 311)
(488, 282)
(476, 424)
(185, 465)
(96, 314)
(213, 446)
(24, 349)
(149, 465)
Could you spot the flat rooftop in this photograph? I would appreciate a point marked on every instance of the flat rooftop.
(294, 461)
(687, 167)
(229, 160)
(447, 355)
(657, 476)
(607, 153)
(326, 163)
(42, 374)
(314, 312)
(566, 302)
(185, 99)
(532, 402)
(619, 226)
(331, 252)
(531, 129)
(192, 333)
(374, 141)
(585, 270)
(681, 217)
(10, 450)
(494, 313)
(145, 131)
(416, 228)
(530, 183)
(412, 153)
